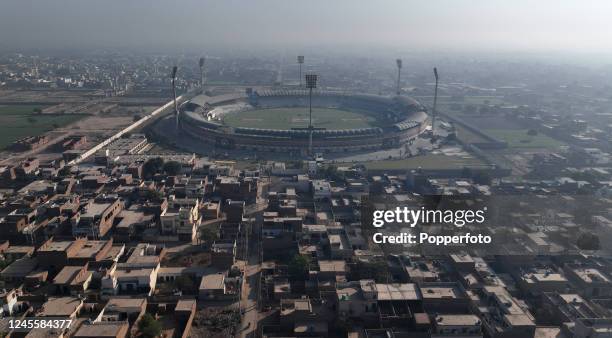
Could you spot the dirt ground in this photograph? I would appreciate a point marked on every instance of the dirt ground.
(96, 128)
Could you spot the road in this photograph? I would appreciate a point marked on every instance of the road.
(154, 114)
(250, 287)
(249, 298)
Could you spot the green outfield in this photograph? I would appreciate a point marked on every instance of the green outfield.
(287, 118)
(21, 121)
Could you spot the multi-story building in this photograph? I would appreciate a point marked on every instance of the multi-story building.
(96, 218)
(181, 219)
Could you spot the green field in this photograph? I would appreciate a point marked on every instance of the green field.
(21, 121)
(518, 138)
(287, 118)
(428, 162)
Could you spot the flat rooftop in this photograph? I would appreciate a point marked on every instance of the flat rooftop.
(213, 282)
(94, 209)
(440, 292)
(124, 305)
(90, 249)
(591, 275)
(56, 246)
(332, 266)
(457, 320)
(60, 307)
(404, 291)
(67, 274)
(101, 329)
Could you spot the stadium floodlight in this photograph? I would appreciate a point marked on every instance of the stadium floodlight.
(433, 113)
(176, 112)
(300, 60)
(399, 71)
(311, 83)
(202, 62)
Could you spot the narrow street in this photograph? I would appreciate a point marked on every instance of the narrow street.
(249, 299)
(250, 287)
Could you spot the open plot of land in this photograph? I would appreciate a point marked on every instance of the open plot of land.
(287, 118)
(465, 100)
(467, 136)
(21, 121)
(489, 122)
(518, 138)
(428, 162)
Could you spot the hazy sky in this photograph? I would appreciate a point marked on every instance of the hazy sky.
(508, 25)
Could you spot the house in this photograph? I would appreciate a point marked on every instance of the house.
(212, 287)
(501, 314)
(96, 218)
(589, 281)
(103, 330)
(444, 297)
(184, 312)
(457, 325)
(320, 189)
(122, 310)
(138, 275)
(22, 269)
(130, 281)
(67, 307)
(358, 300)
(182, 219)
(8, 301)
(223, 254)
(73, 280)
(54, 255)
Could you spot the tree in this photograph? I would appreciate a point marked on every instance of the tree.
(482, 177)
(149, 327)
(153, 195)
(172, 168)
(152, 166)
(333, 174)
(64, 171)
(31, 120)
(208, 235)
(298, 268)
(588, 241)
(532, 132)
(184, 284)
(377, 270)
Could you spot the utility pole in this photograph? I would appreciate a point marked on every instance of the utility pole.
(399, 71)
(300, 60)
(176, 112)
(311, 83)
(202, 62)
(433, 113)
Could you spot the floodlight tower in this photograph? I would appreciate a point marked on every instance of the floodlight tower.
(202, 61)
(433, 113)
(311, 83)
(300, 60)
(176, 112)
(399, 71)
